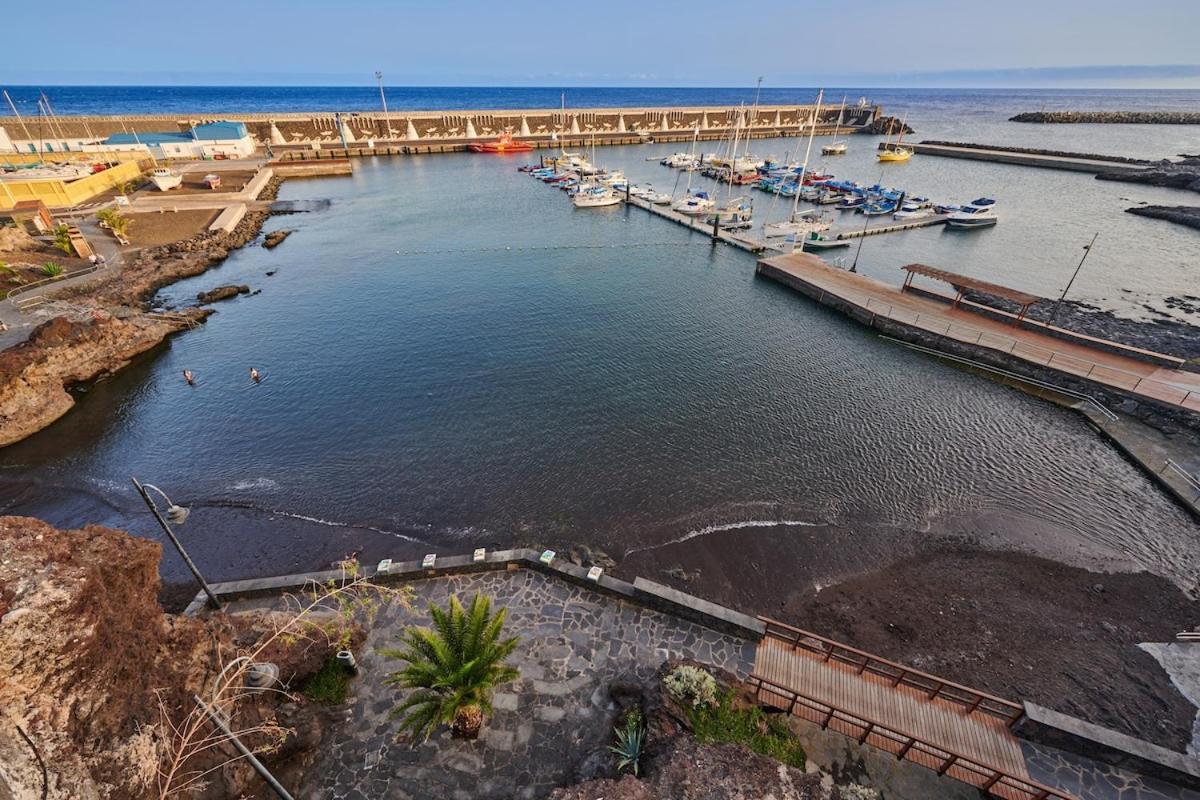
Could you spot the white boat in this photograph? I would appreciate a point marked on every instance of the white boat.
(836, 148)
(659, 198)
(815, 242)
(595, 196)
(802, 223)
(614, 177)
(680, 160)
(979, 213)
(165, 179)
(696, 204)
(915, 208)
(736, 214)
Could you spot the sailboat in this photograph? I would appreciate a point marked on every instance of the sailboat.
(698, 203)
(836, 148)
(896, 152)
(801, 223)
(594, 193)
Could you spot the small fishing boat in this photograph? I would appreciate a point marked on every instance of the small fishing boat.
(595, 196)
(696, 204)
(836, 147)
(979, 213)
(659, 198)
(914, 208)
(165, 179)
(505, 144)
(817, 242)
(851, 202)
(612, 178)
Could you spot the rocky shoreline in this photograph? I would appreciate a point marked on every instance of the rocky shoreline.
(1180, 215)
(1182, 174)
(1111, 117)
(37, 374)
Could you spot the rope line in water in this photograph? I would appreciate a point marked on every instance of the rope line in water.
(548, 247)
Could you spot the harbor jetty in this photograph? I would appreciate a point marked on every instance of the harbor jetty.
(1111, 117)
(1028, 158)
(454, 130)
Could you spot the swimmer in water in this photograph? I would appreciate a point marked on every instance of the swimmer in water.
(254, 376)
(187, 376)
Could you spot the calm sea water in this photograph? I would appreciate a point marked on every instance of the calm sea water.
(454, 354)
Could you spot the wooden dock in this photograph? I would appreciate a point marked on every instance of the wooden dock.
(879, 305)
(1024, 159)
(952, 729)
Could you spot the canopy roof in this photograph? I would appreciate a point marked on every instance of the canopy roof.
(963, 283)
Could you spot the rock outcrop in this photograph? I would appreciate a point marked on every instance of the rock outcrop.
(222, 293)
(888, 126)
(90, 664)
(275, 238)
(36, 374)
(1182, 174)
(1113, 117)
(1180, 215)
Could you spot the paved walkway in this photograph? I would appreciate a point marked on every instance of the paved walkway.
(574, 643)
(1170, 386)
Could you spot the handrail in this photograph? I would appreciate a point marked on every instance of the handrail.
(912, 317)
(1187, 476)
(1103, 409)
(990, 777)
(56, 279)
(932, 685)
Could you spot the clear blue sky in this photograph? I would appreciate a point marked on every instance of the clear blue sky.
(606, 43)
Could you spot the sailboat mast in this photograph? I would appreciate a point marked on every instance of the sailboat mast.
(812, 132)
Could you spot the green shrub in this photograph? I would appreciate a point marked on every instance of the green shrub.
(330, 686)
(767, 734)
(691, 686)
(631, 739)
(62, 239)
(52, 269)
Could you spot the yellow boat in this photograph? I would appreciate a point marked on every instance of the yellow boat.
(895, 153)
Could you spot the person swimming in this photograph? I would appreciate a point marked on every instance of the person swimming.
(254, 376)
(187, 376)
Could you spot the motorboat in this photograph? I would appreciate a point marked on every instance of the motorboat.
(851, 202)
(878, 208)
(165, 179)
(695, 204)
(914, 208)
(801, 224)
(595, 196)
(659, 198)
(613, 178)
(818, 242)
(679, 160)
(504, 144)
(979, 213)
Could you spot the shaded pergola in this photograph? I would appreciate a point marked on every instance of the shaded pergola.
(963, 284)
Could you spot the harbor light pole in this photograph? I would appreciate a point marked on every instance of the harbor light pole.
(177, 514)
(382, 96)
(1057, 303)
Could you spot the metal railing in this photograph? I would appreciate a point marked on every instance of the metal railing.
(903, 745)
(933, 687)
(1073, 364)
(1087, 398)
(1191, 479)
(56, 279)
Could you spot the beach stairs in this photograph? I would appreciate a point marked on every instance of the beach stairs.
(953, 730)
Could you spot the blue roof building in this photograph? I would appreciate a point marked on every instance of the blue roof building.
(210, 140)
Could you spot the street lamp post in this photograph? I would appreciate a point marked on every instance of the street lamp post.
(1086, 251)
(177, 514)
(382, 96)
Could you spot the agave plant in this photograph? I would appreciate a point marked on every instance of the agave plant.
(62, 239)
(452, 668)
(52, 269)
(631, 739)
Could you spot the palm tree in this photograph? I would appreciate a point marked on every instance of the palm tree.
(453, 668)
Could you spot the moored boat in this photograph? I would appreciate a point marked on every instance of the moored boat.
(695, 204)
(505, 144)
(165, 179)
(979, 213)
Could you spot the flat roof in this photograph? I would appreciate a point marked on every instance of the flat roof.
(965, 283)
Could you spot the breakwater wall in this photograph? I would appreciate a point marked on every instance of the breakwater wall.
(1112, 117)
(1038, 151)
(1025, 158)
(465, 125)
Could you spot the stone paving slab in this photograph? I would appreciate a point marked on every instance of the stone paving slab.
(574, 642)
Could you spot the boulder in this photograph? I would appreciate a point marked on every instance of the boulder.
(275, 238)
(222, 293)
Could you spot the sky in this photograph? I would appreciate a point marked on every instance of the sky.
(1037, 43)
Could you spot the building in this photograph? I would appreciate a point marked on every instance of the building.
(211, 140)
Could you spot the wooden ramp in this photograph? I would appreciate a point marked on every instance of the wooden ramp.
(949, 728)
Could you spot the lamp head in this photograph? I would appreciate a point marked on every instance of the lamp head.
(177, 514)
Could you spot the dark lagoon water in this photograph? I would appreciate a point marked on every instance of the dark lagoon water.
(456, 356)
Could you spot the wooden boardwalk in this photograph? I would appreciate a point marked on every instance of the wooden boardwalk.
(867, 299)
(956, 731)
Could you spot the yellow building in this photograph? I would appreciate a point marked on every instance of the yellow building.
(62, 190)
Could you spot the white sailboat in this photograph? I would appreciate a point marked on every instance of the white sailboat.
(836, 148)
(694, 204)
(799, 223)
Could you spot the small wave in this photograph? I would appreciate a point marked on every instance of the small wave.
(260, 484)
(332, 524)
(727, 526)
